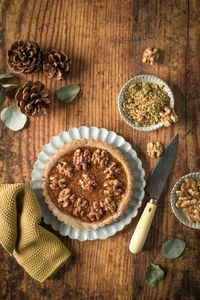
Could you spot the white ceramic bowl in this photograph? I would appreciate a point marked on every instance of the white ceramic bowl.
(143, 78)
(179, 212)
(105, 136)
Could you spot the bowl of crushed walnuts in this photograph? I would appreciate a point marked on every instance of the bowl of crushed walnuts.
(185, 200)
(146, 103)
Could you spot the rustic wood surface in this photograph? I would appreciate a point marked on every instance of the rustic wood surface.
(105, 41)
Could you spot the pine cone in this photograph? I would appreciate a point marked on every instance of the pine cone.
(33, 98)
(56, 64)
(24, 57)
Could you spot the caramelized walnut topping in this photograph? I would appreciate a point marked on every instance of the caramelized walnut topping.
(112, 171)
(112, 187)
(65, 169)
(66, 197)
(108, 204)
(80, 207)
(87, 182)
(168, 116)
(82, 159)
(100, 158)
(55, 182)
(96, 211)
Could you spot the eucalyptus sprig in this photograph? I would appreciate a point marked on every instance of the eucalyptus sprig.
(68, 93)
(171, 249)
(11, 117)
(5, 86)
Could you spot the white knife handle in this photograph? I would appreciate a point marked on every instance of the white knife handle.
(141, 231)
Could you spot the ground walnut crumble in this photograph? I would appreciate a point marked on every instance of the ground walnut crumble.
(143, 101)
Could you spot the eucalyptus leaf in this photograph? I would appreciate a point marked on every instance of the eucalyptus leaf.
(8, 75)
(13, 118)
(67, 93)
(8, 85)
(2, 94)
(173, 248)
(154, 274)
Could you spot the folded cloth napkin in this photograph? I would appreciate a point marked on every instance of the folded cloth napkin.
(36, 249)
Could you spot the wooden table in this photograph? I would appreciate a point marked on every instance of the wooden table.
(105, 41)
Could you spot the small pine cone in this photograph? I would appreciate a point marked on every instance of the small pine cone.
(33, 98)
(24, 57)
(56, 64)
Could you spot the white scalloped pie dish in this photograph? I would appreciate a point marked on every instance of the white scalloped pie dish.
(105, 136)
(143, 78)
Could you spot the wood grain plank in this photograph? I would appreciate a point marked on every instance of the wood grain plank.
(105, 41)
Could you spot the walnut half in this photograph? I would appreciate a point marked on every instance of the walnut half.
(154, 150)
(56, 182)
(100, 158)
(82, 159)
(150, 55)
(168, 116)
(65, 169)
(108, 204)
(80, 207)
(87, 182)
(66, 197)
(112, 170)
(112, 187)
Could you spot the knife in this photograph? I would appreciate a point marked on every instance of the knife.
(154, 188)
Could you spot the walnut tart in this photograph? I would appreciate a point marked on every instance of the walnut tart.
(87, 184)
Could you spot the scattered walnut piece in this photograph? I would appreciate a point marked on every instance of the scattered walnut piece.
(154, 150)
(66, 197)
(87, 182)
(65, 169)
(188, 198)
(168, 116)
(112, 187)
(100, 158)
(112, 170)
(55, 182)
(150, 56)
(82, 159)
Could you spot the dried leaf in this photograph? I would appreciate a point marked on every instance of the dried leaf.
(13, 118)
(153, 275)
(2, 94)
(9, 85)
(67, 93)
(8, 75)
(173, 248)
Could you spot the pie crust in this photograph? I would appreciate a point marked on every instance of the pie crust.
(108, 216)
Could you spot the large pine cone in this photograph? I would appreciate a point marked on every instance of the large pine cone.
(56, 64)
(24, 57)
(33, 98)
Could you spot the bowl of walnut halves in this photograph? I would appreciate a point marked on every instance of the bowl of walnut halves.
(185, 200)
(146, 103)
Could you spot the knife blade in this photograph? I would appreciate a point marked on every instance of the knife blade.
(161, 171)
(154, 188)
